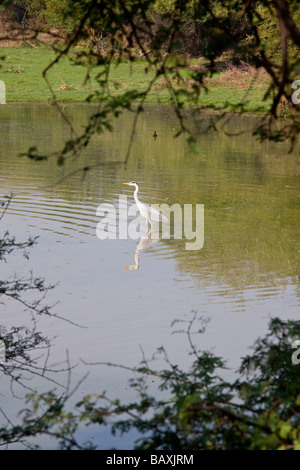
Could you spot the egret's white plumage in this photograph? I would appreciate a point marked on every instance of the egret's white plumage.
(150, 213)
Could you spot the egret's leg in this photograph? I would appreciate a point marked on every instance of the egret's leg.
(148, 229)
(151, 227)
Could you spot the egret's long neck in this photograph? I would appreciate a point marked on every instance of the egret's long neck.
(135, 194)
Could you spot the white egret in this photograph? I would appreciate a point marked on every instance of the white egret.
(147, 211)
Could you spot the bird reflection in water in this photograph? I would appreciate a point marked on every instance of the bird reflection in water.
(146, 241)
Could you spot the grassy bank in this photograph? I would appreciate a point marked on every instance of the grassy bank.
(21, 70)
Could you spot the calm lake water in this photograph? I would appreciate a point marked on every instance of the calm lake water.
(246, 272)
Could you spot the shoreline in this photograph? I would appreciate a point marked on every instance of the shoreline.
(188, 108)
(22, 67)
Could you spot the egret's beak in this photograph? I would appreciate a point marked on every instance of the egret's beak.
(128, 184)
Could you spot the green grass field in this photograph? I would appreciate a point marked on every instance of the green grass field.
(22, 67)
